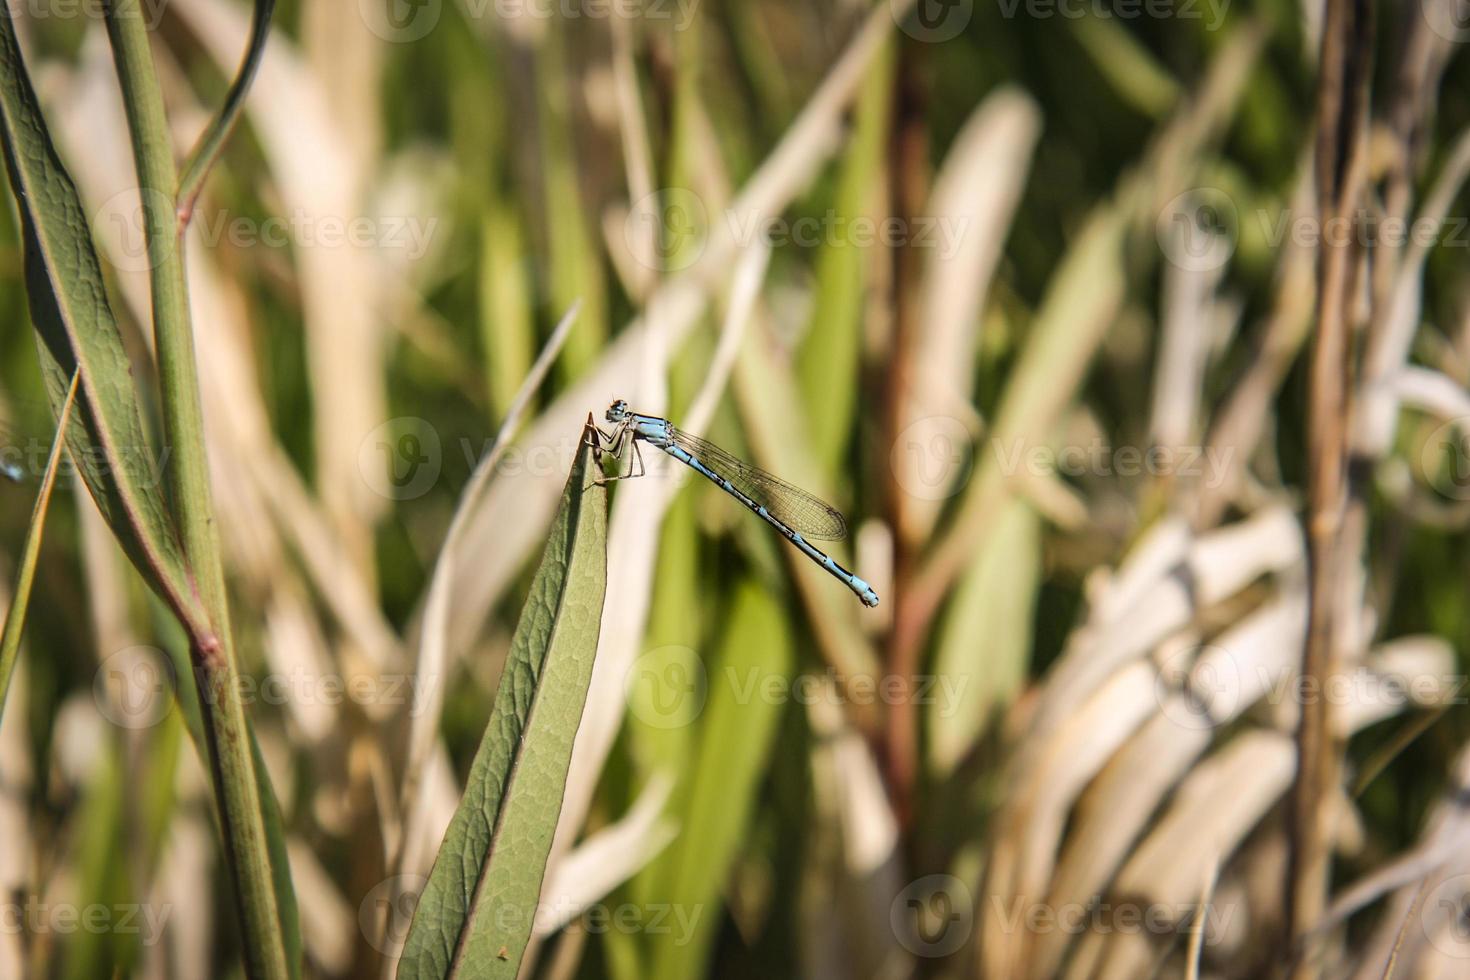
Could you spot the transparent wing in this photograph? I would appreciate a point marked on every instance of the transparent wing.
(792, 506)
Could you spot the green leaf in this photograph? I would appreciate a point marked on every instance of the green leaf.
(25, 575)
(101, 870)
(475, 915)
(575, 271)
(740, 720)
(507, 331)
(831, 353)
(985, 643)
(77, 334)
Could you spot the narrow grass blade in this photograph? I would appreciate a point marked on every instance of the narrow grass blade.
(576, 273)
(507, 333)
(724, 783)
(994, 599)
(831, 355)
(475, 915)
(101, 866)
(25, 576)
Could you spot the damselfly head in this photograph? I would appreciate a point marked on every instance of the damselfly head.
(617, 411)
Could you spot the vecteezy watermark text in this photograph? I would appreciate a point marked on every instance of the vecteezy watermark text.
(405, 21)
(27, 456)
(149, 11)
(669, 228)
(35, 916)
(668, 687)
(1210, 465)
(1365, 228)
(134, 688)
(1102, 916)
(1212, 12)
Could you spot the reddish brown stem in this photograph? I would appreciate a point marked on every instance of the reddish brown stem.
(909, 179)
(1347, 41)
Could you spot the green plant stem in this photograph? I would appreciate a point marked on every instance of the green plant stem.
(212, 140)
(241, 822)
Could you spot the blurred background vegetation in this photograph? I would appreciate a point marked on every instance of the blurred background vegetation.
(1080, 695)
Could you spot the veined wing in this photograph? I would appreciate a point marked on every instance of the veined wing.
(803, 513)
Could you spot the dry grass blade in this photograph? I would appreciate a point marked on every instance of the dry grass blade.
(1389, 348)
(1197, 930)
(1236, 430)
(1230, 675)
(1030, 827)
(1437, 858)
(975, 195)
(607, 858)
(1164, 600)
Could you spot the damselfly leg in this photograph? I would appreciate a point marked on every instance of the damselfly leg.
(617, 444)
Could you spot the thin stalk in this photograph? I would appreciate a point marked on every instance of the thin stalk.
(909, 185)
(1347, 41)
(212, 141)
(232, 767)
(20, 598)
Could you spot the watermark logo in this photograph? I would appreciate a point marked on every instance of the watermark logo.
(667, 687)
(127, 214)
(932, 21)
(933, 917)
(933, 457)
(1198, 688)
(1450, 19)
(401, 459)
(1445, 917)
(666, 230)
(1198, 229)
(134, 687)
(1445, 459)
(400, 21)
(386, 911)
